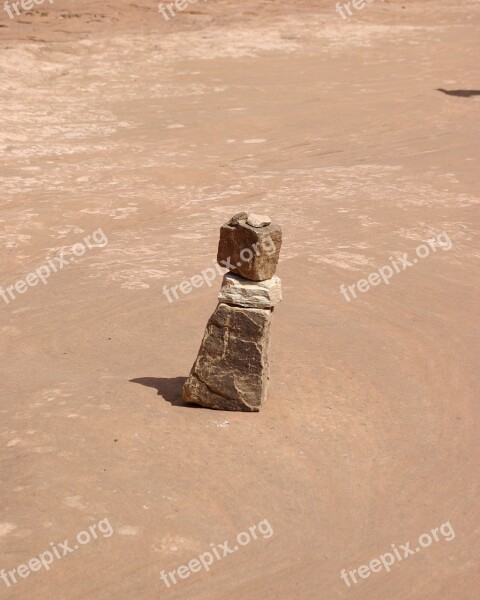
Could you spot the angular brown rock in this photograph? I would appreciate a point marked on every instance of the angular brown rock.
(232, 367)
(249, 251)
(235, 220)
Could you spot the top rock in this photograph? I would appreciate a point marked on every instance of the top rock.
(251, 219)
(258, 220)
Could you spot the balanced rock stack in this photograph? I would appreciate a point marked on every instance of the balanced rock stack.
(232, 368)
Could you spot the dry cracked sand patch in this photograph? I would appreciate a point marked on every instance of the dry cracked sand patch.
(157, 132)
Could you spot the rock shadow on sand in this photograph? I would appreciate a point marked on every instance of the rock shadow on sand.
(460, 93)
(170, 388)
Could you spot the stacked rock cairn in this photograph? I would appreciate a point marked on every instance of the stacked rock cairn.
(232, 367)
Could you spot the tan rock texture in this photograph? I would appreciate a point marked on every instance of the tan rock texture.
(231, 370)
(258, 220)
(239, 291)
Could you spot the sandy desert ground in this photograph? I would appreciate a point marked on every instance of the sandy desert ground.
(155, 133)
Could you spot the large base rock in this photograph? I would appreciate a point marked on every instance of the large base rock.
(231, 370)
